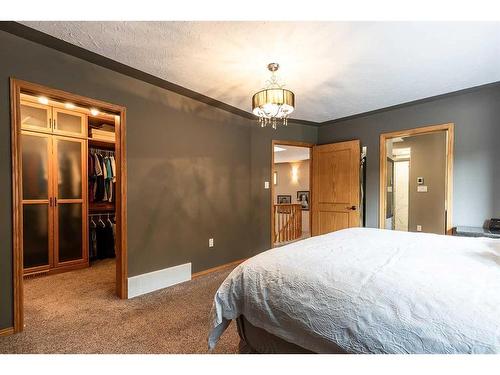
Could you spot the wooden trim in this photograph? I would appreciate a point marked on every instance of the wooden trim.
(449, 178)
(64, 267)
(121, 206)
(63, 96)
(7, 331)
(275, 142)
(449, 129)
(17, 211)
(27, 98)
(218, 268)
(16, 86)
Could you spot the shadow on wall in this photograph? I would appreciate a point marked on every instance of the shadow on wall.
(195, 198)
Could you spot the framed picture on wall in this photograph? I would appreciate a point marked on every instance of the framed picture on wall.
(284, 199)
(303, 199)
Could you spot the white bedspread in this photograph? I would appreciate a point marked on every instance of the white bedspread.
(371, 291)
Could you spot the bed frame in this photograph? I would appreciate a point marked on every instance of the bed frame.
(255, 340)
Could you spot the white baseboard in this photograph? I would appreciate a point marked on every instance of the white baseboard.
(149, 282)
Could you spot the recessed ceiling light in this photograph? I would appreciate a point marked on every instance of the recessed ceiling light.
(94, 111)
(43, 100)
(278, 149)
(69, 105)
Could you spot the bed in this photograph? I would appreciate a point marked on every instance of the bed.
(364, 290)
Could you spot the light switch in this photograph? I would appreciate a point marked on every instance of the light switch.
(422, 188)
(266, 184)
(210, 242)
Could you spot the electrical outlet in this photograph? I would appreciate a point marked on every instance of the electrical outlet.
(419, 228)
(210, 242)
(266, 184)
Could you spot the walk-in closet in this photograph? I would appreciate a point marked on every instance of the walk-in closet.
(69, 196)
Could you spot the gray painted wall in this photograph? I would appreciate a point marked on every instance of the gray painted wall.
(194, 171)
(476, 177)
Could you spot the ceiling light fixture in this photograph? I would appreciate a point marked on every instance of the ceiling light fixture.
(273, 104)
(69, 105)
(94, 112)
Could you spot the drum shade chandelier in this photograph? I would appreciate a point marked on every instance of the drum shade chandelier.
(274, 104)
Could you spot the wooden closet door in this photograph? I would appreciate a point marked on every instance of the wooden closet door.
(36, 117)
(69, 123)
(336, 187)
(70, 212)
(37, 202)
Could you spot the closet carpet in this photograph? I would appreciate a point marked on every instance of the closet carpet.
(77, 312)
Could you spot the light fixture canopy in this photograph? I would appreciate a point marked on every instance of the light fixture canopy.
(273, 104)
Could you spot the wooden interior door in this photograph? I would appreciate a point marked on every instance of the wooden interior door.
(37, 202)
(335, 186)
(70, 210)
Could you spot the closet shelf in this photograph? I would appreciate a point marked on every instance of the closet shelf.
(101, 144)
(101, 207)
(100, 121)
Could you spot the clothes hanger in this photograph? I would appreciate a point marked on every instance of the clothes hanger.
(109, 221)
(102, 222)
(92, 222)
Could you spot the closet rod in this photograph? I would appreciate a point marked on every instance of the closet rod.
(104, 214)
(92, 149)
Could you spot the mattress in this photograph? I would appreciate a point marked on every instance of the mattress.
(367, 290)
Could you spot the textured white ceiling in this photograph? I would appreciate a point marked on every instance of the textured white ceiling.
(336, 69)
(291, 154)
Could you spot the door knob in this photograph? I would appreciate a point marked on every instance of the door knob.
(353, 208)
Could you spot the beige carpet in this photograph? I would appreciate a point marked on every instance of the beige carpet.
(77, 312)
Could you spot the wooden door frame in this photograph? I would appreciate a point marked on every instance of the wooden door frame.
(275, 142)
(449, 128)
(16, 87)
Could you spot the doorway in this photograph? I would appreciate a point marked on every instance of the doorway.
(51, 144)
(290, 192)
(330, 197)
(416, 179)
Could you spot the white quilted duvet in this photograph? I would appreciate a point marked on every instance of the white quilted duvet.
(371, 291)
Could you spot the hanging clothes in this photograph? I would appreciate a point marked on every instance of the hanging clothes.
(92, 240)
(99, 183)
(105, 239)
(102, 176)
(91, 174)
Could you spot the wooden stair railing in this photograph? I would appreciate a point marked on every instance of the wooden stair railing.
(287, 222)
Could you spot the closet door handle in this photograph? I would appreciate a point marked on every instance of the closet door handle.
(55, 201)
(50, 202)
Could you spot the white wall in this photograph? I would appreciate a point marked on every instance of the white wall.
(401, 194)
